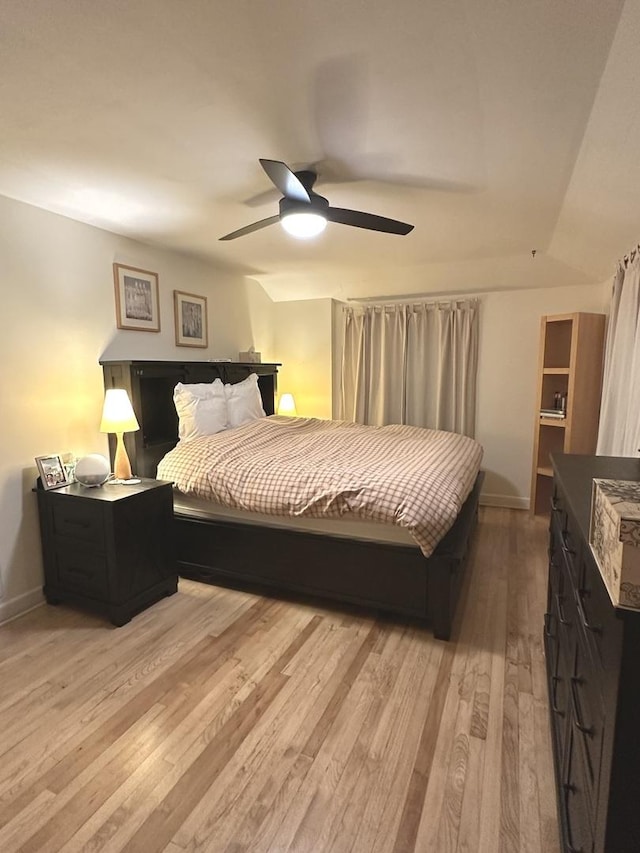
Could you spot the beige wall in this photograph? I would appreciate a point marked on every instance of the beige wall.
(302, 338)
(58, 321)
(507, 376)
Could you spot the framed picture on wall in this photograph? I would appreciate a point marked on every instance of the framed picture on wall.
(52, 471)
(191, 319)
(137, 305)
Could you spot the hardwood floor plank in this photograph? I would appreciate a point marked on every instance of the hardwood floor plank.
(509, 840)
(270, 790)
(204, 709)
(528, 781)
(218, 721)
(269, 740)
(329, 744)
(158, 829)
(396, 748)
(457, 782)
(324, 822)
(114, 684)
(499, 559)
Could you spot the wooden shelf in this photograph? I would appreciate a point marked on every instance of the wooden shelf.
(570, 365)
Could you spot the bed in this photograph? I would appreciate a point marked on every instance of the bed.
(348, 564)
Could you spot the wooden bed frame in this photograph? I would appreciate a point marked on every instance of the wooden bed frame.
(391, 578)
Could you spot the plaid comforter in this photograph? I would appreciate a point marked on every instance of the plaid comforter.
(413, 477)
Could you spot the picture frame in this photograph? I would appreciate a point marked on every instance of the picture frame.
(191, 319)
(137, 299)
(53, 474)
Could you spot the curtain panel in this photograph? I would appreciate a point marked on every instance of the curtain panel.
(619, 430)
(411, 363)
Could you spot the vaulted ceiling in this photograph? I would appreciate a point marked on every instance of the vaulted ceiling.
(496, 128)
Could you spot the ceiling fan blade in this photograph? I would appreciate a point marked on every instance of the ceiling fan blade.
(367, 220)
(286, 181)
(249, 229)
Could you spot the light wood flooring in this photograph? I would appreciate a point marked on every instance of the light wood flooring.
(221, 721)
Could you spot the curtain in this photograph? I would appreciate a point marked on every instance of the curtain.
(619, 431)
(412, 363)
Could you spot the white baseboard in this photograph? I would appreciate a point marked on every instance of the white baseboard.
(20, 604)
(506, 501)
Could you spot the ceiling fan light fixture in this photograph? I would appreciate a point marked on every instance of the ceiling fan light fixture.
(303, 225)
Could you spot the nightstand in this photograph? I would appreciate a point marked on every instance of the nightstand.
(110, 548)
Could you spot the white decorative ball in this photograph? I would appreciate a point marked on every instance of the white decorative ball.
(92, 470)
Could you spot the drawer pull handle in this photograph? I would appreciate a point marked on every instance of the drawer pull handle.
(76, 570)
(568, 788)
(554, 707)
(561, 615)
(75, 522)
(547, 625)
(577, 722)
(554, 504)
(567, 550)
(582, 594)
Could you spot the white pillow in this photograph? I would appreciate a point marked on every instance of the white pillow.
(244, 402)
(201, 408)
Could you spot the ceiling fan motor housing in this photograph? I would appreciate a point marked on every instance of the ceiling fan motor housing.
(316, 204)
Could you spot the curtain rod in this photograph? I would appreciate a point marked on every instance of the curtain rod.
(461, 294)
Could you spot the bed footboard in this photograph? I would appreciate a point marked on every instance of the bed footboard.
(389, 578)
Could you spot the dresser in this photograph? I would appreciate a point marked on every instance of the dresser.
(593, 670)
(109, 549)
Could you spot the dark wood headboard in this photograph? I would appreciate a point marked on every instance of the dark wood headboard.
(150, 387)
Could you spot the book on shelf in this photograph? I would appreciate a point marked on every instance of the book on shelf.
(553, 413)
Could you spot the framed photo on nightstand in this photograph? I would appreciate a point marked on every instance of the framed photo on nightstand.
(52, 471)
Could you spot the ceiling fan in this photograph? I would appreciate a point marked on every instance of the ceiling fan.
(304, 213)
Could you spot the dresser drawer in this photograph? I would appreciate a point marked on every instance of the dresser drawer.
(587, 717)
(566, 536)
(556, 641)
(79, 520)
(597, 615)
(575, 812)
(81, 569)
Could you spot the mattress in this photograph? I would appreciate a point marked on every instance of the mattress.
(348, 528)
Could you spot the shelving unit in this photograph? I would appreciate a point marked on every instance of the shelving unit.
(570, 362)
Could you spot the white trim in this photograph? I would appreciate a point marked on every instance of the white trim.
(20, 604)
(507, 501)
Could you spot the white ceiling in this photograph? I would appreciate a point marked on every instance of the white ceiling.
(494, 127)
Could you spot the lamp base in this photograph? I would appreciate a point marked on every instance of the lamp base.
(121, 464)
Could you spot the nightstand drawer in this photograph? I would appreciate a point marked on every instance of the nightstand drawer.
(81, 569)
(80, 520)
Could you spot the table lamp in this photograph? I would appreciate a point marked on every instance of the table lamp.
(287, 405)
(118, 417)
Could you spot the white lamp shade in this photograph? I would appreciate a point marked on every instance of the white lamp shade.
(118, 414)
(287, 405)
